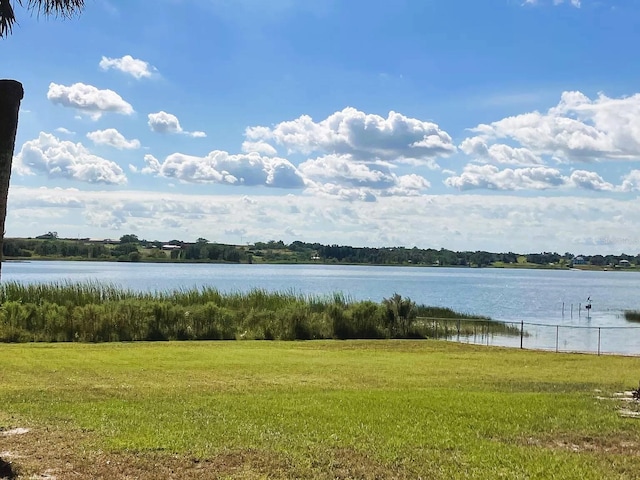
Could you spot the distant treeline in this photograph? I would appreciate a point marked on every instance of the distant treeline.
(130, 248)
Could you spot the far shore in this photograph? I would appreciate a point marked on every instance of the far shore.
(518, 266)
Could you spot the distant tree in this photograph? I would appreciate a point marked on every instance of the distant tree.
(299, 246)
(47, 248)
(231, 254)
(124, 249)
(481, 259)
(447, 257)
(129, 238)
(214, 252)
(509, 257)
(279, 245)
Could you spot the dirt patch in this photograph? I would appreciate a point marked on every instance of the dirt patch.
(14, 431)
(145, 465)
(618, 446)
(628, 401)
(59, 455)
(348, 463)
(46, 453)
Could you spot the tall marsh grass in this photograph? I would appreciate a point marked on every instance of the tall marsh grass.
(632, 315)
(95, 312)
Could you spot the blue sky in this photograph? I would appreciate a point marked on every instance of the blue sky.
(497, 125)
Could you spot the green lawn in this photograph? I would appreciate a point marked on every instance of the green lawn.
(321, 409)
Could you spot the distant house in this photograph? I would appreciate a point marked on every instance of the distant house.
(624, 263)
(171, 247)
(48, 236)
(579, 261)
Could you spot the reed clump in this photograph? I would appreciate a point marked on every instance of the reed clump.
(632, 315)
(94, 312)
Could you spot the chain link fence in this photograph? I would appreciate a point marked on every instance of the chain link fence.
(536, 336)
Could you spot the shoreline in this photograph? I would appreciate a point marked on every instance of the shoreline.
(582, 268)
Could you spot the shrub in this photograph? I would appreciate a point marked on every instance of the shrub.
(632, 315)
(367, 319)
(399, 315)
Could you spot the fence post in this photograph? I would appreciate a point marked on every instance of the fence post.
(557, 334)
(521, 332)
(598, 341)
(458, 327)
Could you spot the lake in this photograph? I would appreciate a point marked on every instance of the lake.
(513, 295)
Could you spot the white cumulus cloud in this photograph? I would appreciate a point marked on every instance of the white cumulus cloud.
(113, 138)
(499, 153)
(65, 131)
(492, 178)
(396, 138)
(578, 129)
(88, 99)
(340, 192)
(163, 122)
(260, 147)
(218, 166)
(127, 64)
(346, 178)
(530, 178)
(342, 169)
(153, 165)
(575, 3)
(63, 159)
(590, 181)
(631, 181)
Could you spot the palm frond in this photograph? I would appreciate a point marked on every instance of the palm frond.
(56, 8)
(7, 18)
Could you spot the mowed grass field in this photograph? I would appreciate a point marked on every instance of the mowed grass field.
(318, 409)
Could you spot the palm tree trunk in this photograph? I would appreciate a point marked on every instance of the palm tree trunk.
(11, 92)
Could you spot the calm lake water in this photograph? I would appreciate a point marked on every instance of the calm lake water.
(532, 296)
